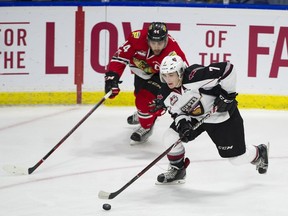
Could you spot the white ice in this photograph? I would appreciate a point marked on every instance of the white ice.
(98, 156)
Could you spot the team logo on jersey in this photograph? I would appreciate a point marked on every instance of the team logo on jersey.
(192, 73)
(143, 65)
(193, 107)
(136, 34)
(173, 100)
(198, 110)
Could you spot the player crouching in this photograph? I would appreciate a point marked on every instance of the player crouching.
(189, 93)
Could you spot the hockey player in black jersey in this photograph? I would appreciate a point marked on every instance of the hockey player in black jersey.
(189, 94)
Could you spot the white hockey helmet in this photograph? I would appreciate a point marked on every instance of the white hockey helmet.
(172, 64)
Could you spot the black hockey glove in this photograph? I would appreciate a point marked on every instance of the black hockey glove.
(225, 101)
(111, 82)
(157, 107)
(184, 128)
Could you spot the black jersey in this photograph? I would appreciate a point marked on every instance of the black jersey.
(189, 101)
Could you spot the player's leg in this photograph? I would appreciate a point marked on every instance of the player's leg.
(177, 161)
(138, 84)
(229, 138)
(145, 93)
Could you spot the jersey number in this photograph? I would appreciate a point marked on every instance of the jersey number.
(126, 48)
(213, 68)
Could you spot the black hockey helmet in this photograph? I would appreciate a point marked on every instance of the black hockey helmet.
(157, 31)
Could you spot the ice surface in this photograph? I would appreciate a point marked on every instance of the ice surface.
(97, 156)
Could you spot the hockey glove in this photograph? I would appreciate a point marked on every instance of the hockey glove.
(184, 127)
(157, 107)
(111, 83)
(225, 101)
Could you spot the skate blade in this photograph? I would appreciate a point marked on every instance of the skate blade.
(261, 170)
(133, 123)
(176, 182)
(268, 149)
(133, 142)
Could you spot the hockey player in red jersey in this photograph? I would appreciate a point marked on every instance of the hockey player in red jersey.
(143, 52)
(189, 94)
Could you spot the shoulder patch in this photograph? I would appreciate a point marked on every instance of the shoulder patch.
(136, 34)
(173, 53)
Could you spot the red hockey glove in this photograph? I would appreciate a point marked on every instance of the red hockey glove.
(157, 107)
(111, 83)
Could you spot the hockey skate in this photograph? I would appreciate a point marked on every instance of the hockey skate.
(262, 160)
(175, 175)
(140, 135)
(133, 119)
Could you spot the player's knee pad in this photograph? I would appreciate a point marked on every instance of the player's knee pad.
(177, 153)
(170, 136)
(143, 99)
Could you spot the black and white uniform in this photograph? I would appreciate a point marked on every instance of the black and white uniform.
(190, 102)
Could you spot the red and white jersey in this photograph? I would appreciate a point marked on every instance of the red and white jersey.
(136, 53)
(187, 101)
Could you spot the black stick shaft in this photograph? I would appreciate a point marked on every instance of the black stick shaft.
(114, 194)
(32, 169)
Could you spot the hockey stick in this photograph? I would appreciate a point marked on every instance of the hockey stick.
(12, 169)
(107, 195)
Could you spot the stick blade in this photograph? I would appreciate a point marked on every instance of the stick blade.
(15, 170)
(104, 195)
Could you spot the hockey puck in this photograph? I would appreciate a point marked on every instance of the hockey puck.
(106, 206)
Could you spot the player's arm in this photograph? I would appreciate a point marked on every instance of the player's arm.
(117, 65)
(223, 76)
(123, 55)
(226, 100)
(225, 89)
